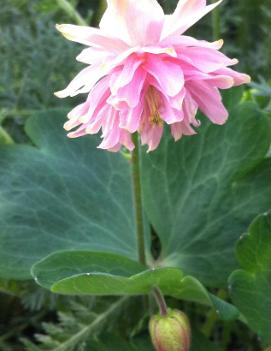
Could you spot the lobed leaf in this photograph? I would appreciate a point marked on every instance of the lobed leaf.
(104, 274)
(250, 286)
(208, 188)
(61, 194)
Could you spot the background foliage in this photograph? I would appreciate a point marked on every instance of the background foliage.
(34, 63)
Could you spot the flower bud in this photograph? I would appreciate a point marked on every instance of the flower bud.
(170, 332)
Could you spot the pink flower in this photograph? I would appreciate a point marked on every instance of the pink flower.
(144, 74)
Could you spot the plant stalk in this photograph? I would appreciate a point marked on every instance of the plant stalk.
(161, 302)
(138, 200)
(216, 23)
(5, 137)
(69, 9)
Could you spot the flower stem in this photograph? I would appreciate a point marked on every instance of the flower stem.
(138, 200)
(216, 23)
(5, 137)
(160, 301)
(70, 10)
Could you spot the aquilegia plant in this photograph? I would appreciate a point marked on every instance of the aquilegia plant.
(144, 74)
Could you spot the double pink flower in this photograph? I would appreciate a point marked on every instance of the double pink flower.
(144, 74)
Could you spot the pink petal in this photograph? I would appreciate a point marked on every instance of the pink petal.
(151, 136)
(167, 74)
(94, 56)
(239, 78)
(129, 95)
(184, 40)
(78, 82)
(209, 101)
(180, 129)
(205, 59)
(135, 21)
(130, 119)
(187, 13)
(126, 74)
(218, 80)
(91, 37)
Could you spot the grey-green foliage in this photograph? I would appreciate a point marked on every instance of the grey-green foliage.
(251, 285)
(253, 32)
(35, 61)
(80, 320)
(209, 187)
(104, 274)
(63, 194)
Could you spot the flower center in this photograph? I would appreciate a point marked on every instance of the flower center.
(153, 104)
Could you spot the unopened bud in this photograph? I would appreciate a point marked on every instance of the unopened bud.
(170, 332)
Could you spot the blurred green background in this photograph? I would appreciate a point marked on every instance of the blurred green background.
(35, 61)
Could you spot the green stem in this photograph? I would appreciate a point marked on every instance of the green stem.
(138, 200)
(161, 302)
(4, 135)
(216, 23)
(71, 12)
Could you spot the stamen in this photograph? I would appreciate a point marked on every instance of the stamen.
(153, 103)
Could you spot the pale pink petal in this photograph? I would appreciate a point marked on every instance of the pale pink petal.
(187, 13)
(176, 131)
(184, 40)
(209, 101)
(137, 21)
(126, 74)
(157, 50)
(78, 133)
(171, 112)
(79, 110)
(130, 119)
(205, 59)
(126, 140)
(152, 137)
(129, 95)
(218, 80)
(180, 129)
(168, 75)
(91, 37)
(239, 78)
(94, 56)
(96, 99)
(84, 81)
(190, 108)
(97, 120)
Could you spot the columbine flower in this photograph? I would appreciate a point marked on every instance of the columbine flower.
(144, 74)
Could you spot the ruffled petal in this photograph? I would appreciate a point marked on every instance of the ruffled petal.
(94, 56)
(167, 74)
(135, 21)
(209, 101)
(184, 40)
(91, 37)
(187, 13)
(238, 78)
(84, 81)
(205, 59)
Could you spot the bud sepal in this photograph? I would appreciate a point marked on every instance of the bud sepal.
(170, 332)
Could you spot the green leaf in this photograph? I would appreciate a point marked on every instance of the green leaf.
(201, 343)
(112, 342)
(89, 273)
(208, 188)
(61, 194)
(250, 287)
